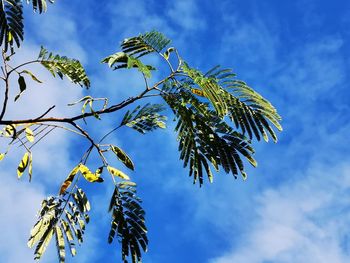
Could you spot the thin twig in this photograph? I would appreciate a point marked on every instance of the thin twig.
(110, 109)
(21, 65)
(7, 86)
(46, 112)
(107, 134)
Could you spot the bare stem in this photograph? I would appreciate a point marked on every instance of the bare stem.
(7, 86)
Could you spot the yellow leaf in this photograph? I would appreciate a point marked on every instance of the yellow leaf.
(9, 39)
(29, 134)
(69, 179)
(10, 130)
(198, 92)
(60, 243)
(88, 175)
(2, 156)
(116, 172)
(23, 165)
(161, 124)
(99, 171)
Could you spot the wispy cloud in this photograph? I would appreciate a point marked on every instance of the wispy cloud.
(303, 221)
(186, 14)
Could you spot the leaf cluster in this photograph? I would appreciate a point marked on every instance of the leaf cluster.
(128, 222)
(64, 220)
(63, 66)
(11, 20)
(216, 119)
(145, 119)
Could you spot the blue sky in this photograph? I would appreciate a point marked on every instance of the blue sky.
(294, 207)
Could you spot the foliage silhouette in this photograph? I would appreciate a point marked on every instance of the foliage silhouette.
(216, 115)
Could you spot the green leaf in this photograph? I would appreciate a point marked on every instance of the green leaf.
(119, 57)
(144, 44)
(146, 119)
(123, 60)
(61, 218)
(30, 169)
(11, 23)
(40, 6)
(168, 52)
(123, 157)
(63, 66)
(115, 172)
(31, 75)
(22, 87)
(128, 221)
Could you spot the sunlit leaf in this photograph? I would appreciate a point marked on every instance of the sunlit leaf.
(198, 92)
(118, 173)
(23, 165)
(10, 130)
(88, 175)
(29, 134)
(32, 76)
(123, 157)
(69, 179)
(63, 66)
(60, 244)
(168, 52)
(40, 5)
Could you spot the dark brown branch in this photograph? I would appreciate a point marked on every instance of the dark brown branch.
(46, 112)
(7, 87)
(110, 109)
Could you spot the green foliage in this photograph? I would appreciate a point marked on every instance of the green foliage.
(146, 118)
(40, 5)
(247, 108)
(123, 157)
(145, 44)
(123, 60)
(204, 138)
(128, 221)
(11, 20)
(11, 23)
(216, 115)
(66, 222)
(63, 66)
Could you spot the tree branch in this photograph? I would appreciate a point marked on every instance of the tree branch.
(110, 109)
(7, 87)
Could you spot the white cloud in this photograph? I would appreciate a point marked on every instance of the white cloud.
(314, 68)
(249, 42)
(19, 203)
(186, 14)
(306, 218)
(133, 17)
(304, 221)
(52, 159)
